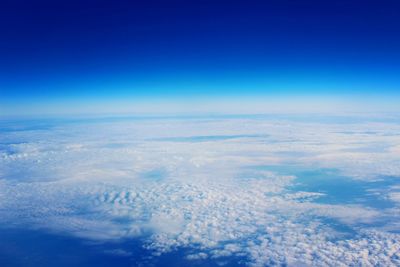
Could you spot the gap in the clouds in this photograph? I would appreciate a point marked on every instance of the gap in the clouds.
(27, 247)
(155, 175)
(10, 148)
(23, 247)
(336, 188)
(339, 189)
(207, 138)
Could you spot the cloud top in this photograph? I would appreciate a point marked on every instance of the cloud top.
(197, 184)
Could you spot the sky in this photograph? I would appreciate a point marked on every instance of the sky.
(151, 56)
(264, 189)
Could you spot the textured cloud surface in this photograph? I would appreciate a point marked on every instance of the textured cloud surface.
(267, 191)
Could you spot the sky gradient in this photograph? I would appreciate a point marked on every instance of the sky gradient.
(57, 55)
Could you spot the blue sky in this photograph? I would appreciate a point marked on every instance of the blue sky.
(58, 54)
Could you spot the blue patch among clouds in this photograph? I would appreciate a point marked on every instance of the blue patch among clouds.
(338, 189)
(209, 138)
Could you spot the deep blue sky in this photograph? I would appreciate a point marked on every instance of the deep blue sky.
(56, 50)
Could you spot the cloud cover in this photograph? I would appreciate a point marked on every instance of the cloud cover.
(197, 184)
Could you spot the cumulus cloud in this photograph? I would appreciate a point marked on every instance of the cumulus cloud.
(155, 180)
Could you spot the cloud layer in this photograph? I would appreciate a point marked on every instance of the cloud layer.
(218, 187)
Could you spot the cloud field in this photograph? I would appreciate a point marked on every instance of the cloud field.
(218, 187)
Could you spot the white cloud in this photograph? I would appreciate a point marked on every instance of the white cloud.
(89, 180)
